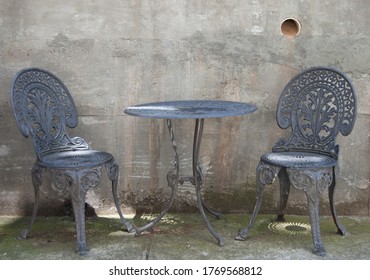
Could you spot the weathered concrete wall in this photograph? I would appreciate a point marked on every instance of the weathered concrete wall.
(112, 54)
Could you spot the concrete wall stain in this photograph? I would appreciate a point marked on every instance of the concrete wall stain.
(113, 55)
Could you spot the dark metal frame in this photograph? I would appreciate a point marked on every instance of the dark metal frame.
(43, 109)
(174, 178)
(198, 110)
(316, 105)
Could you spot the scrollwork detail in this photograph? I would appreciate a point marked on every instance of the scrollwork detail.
(266, 173)
(43, 107)
(62, 179)
(173, 175)
(317, 104)
(79, 143)
(305, 179)
(84, 178)
(112, 170)
(90, 178)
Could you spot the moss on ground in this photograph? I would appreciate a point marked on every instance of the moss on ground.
(182, 236)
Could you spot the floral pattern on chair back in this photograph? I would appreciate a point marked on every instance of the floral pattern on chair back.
(316, 104)
(43, 108)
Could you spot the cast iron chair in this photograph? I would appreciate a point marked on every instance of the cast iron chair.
(43, 108)
(316, 105)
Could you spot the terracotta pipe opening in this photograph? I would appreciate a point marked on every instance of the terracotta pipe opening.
(291, 27)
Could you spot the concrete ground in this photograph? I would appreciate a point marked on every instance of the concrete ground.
(184, 237)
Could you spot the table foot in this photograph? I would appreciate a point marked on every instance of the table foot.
(209, 226)
(241, 236)
(148, 227)
(151, 224)
(221, 242)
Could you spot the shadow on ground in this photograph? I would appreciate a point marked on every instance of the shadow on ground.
(184, 237)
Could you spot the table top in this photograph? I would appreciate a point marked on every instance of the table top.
(190, 109)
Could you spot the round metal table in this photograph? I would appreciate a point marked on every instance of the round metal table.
(189, 109)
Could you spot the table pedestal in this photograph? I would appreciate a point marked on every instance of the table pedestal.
(189, 109)
(173, 179)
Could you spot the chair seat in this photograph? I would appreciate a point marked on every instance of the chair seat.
(75, 159)
(299, 160)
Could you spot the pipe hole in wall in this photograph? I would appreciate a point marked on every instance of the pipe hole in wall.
(290, 27)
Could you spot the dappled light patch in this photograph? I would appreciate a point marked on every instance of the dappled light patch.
(290, 228)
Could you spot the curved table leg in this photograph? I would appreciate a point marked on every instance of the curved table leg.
(265, 175)
(211, 211)
(37, 178)
(173, 181)
(197, 173)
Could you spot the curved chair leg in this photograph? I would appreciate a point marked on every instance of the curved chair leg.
(78, 202)
(78, 196)
(313, 200)
(112, 171)
(265, 175)
(81, 181)
(284, 194)
(37, 174)
(340, 228)
(312, 182)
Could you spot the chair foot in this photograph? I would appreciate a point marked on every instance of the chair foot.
(82, 250)
(341, 230)
(23, 234)
(319, 250)
(279, 218)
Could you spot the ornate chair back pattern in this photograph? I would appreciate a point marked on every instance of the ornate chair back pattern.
(317, 104)
(43, 108)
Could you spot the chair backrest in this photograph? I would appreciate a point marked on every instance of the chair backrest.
(316, 104)
(43, 108)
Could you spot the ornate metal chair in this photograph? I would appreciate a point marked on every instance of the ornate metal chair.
(316, 105)
(43, 108)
